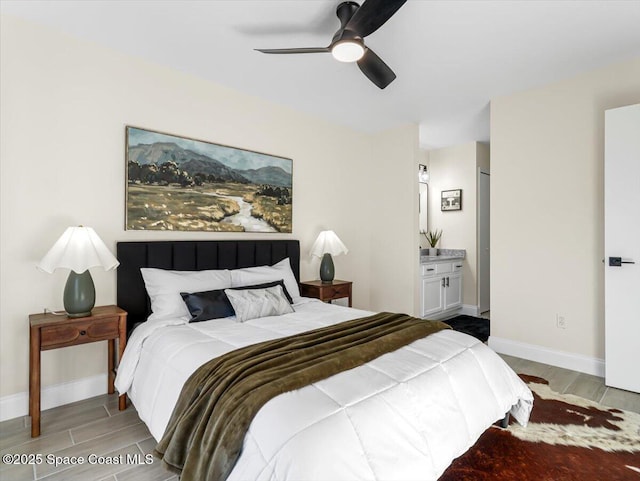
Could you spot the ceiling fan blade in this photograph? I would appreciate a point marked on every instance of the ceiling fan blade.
(294, 50)
(372, 14)
(375, 69)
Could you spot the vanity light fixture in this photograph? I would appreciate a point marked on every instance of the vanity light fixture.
(423, 174)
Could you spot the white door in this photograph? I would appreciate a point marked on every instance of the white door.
(622, 247)
(483, 243)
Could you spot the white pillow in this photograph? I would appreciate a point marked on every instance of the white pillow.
(255, 303)
(259, 275)
(164, 288)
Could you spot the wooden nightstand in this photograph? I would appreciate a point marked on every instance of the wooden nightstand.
(326, 291)
(49, 331)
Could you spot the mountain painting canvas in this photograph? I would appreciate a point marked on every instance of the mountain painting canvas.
(182, 184)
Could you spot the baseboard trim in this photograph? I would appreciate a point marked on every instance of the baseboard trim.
(465, 309)
(16, 405)
(532, 352)
(469, 310)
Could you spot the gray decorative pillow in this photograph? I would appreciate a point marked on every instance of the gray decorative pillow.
(254, 303)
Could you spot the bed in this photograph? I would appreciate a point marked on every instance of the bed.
(401, 416)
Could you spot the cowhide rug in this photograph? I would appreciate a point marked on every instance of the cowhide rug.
(568, 439)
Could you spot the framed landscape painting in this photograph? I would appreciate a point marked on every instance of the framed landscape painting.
(182, 184)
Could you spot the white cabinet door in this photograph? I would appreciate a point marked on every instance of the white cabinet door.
(432, 296)
(453, 292)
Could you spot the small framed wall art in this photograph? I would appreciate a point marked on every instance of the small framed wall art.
(451, 200)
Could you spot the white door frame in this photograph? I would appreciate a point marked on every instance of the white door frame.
(484, 242)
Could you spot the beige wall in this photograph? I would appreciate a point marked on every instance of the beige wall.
(547, 209)
(394, 254)
(483, 157)
(65, 104)
(457, 168)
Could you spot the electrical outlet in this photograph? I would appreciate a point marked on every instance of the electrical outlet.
(561, 322)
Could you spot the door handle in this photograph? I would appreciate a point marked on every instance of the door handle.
(447, 282)
(617, 262)
(443, 282)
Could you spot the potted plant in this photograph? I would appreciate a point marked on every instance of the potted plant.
(433, 237)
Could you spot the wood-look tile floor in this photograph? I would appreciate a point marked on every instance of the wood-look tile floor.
(96, 427)
(90, 427)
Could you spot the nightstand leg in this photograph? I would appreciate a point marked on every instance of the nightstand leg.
(34, 381)
(111, 365)
(122, 342)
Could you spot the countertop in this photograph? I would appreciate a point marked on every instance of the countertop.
(427, 259)
(443, 255)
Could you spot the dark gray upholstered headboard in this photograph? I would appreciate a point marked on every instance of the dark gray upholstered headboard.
(191, 256)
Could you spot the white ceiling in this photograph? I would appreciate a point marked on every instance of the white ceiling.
(451, 57)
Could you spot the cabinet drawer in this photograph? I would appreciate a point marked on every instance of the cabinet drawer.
(52, 337)
(428, 270)
(334, 292)
(440, 268)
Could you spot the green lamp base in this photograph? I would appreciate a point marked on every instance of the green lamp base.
(327, 270)
(79, 294)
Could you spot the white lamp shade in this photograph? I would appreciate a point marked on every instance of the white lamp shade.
(78, 249)
(328, 243)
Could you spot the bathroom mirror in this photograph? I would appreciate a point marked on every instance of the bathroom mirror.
(423, 196)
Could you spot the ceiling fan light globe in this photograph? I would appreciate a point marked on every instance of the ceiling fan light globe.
(347, 51)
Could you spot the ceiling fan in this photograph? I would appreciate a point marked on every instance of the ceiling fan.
(347, 45)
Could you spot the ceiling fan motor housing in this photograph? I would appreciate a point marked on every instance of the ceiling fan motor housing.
(347, 45)
(344, 12)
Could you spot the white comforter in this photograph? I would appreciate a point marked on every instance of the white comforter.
(405, 415)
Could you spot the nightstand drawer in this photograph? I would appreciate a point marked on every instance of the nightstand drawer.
(327, 291)
(336, 291)
(71, 334)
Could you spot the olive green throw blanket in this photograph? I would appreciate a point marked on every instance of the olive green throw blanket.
(206, 431)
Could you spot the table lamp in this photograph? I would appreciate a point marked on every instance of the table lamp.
(78, 248)
(326, 245)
